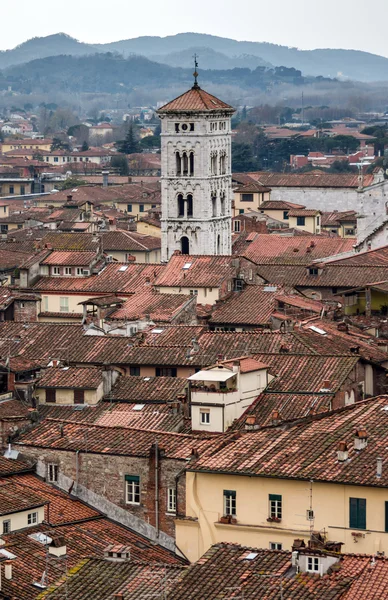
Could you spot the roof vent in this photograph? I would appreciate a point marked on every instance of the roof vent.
(342, 452)
(312, 244)
(360, 439)
(296, 250)
(343, 327)
(117, 553)
(275, 417)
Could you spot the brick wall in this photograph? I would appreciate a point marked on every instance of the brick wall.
(105, 476)
(25, 311)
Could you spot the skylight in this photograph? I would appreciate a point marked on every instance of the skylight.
(251, 556)
(187, 265)
(317, 330)
(124, 268)
(138, 406)
(41, 538)
(156, 330)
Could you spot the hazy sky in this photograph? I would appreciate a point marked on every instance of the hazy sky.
(305, 24)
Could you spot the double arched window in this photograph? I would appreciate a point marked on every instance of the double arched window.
(184, 162)
(185, 206)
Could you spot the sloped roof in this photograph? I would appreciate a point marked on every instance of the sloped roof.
(314, 179)
(196, 271)
(71, 377)
(194, 100)
(161, 308)
(253, 306)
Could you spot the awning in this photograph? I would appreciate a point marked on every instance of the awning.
(220, 375)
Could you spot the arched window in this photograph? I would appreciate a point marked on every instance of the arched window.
(214, 206)
(185, 164)
(218, 244)
(222, 207)
(191, 163)
(178, 163)
(181, 206)
(185, 245)
(189, 205)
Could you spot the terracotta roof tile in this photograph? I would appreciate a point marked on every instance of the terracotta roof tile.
(195, 100)
(129, 241)
(148, 389)
(89, 378)
(196, 271)
(253, 306)
(69, 258)
(15, 498)
(312, 179)
(161, 308)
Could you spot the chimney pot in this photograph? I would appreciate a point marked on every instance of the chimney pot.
(342, 452)
(275, 416)
(8, 569)
(379, 468)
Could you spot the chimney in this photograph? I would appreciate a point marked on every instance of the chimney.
(379, 468)
(195, 345)
(61, 430)
(360, 439)
(69, 198)
(275, 417)
(8, 569)
(326, 384)
(105, 179)
(220, 357)
(194, 453)
(342, 452)
(236, 366)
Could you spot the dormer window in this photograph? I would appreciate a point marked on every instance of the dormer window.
(313, 271)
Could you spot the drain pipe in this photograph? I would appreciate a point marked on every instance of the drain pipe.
(76, 471)
(157, 489)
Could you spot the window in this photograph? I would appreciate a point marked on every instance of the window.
(171, 500)
(386, 517)
(275, 506)
(275, 546)
(204, 415)
(312, 564)
(67, 270)
(141, 208)
(22, 190)
(11, 189)
(79, 397)
(230, 502)
(193, 292)
(357, 513)
(56, 271)
(241, 211)
(129, 207)
(246, 197)
(52, 473)
(56, 159)
(32, 518)
(285, 215)
(6, 526)
(134, 371)
(45, 303)
(238, 285)
(64, 304)
(317, 220)
(214, 206)
(80, 271)
(349, 231)
(189, 205)
(181, 205)
(313, 271)
(50, 395)
(165, 371)
(237, 226)
(132, 483)
(301, 220)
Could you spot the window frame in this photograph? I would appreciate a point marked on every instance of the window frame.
(230, 503)
(132, 489)
(33, 518)
(6, 526)
(275, 546)
(68, 271)
(300, 221)
(129, 208)
(237, 226)
(64, 306)
(275, 506)
(56, 271)
(204, 416)
(313, 564)
(171, 500)
(247, 197)
(55, 468)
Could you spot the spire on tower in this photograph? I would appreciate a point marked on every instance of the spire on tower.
(195, 86)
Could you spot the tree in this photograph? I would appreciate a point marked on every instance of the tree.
(70, 183)
(130, 144)
(121, 164)
(242, 158)
(341, 166)
(59, 144)
(84, 146)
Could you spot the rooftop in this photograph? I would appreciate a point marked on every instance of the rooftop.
(161, 308)
(88, 378)
(195, 100)
(196, 271)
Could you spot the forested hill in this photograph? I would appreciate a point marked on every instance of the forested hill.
(215, 52)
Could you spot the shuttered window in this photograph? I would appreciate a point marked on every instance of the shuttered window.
(79, 397)
(50, 395)
(357, 513)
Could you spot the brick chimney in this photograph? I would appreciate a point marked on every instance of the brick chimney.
(342, 452)
(360, 439)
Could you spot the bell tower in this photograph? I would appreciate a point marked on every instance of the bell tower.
(196, 174)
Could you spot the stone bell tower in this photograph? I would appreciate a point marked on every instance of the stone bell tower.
(196, 174)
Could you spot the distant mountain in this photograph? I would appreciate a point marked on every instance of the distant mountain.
(41, 47)
(214, 53)
(210, 59)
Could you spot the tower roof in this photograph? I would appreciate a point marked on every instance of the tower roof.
(195, 100)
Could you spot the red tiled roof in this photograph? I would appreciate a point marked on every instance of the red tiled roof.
(279, 205)
(129, 241)
(311, 179)
(247, 364)
(112, 440)
(158, 417)
(306, 451)
(331, 219)
(201, 271)
(148, 389)
(71, 377)
(15, 498)
(332, 275)
(303, 212)
(373, 258)
(274, 249)
(13, 409)
(161, 308)
(195, 100)
(69, 258)
(11, 466)
(253, 306)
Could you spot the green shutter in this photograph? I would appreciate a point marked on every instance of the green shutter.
(357, 513)
(134, 478)
(275, 497)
